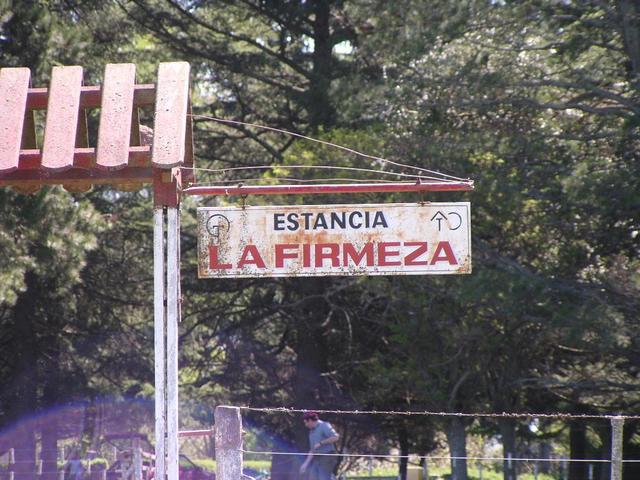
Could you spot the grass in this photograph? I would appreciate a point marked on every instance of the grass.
(442, 473)
(260, 465)
(388, 472)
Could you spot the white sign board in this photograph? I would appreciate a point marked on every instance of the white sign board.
(318, 240)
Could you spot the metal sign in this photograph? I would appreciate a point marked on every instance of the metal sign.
(319, 240)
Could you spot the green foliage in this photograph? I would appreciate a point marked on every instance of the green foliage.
(98, 464)
(259, 465)
(537, 101)
(41, 314)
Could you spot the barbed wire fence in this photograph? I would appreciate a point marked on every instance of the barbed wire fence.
(58, 460)
(230, 451)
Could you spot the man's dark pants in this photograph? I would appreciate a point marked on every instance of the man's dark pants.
(322, 467)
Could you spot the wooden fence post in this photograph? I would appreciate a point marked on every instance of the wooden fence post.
(228, 427)
(62, 459)
(617, 424)
(137, 459)
(12, 463)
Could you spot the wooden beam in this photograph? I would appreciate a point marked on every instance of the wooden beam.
(172, 100)
(14, 84)
(91, 96)
(114, 134)
(129, 175)
(62, 118)
(85, 158)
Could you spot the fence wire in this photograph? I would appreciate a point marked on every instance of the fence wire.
(560, 416)
(613, 418)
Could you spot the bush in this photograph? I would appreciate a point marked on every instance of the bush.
(97, 464)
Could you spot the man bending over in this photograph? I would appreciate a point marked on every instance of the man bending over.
(322, 438)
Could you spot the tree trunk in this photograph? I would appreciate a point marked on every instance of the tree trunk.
(321, 111)
(311, 358)
(285, 467)
(457, 438)
(630, 450)
(310, 363)
(24, 443)
(629, 11)
(604, 432)
(508, 433)
(403, 439)
(545, 454)
(578, 448)
(49, 453)
(53, 386)
(25, 375)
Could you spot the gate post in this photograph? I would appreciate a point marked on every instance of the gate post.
(160, 321)
(170, 149)
(173, 317)
(228, 426)
(121, 158)
(617, 424)
(166, 317)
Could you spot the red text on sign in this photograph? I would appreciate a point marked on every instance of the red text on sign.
(333, 255)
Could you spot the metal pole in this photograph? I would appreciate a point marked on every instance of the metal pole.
(617, 424)
(159, 321)
(434, 186)
(173, 317)
(425, 469)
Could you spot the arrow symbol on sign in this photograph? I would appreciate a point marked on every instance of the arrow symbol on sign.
(438, 217)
